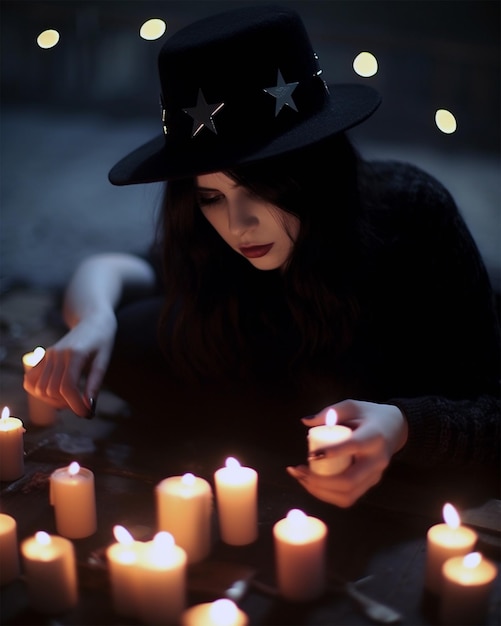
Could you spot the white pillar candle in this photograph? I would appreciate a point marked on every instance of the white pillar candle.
(467, 584)
(9, 553)
(50, 572)
(236, 495)
(11, 446)
(184, 509)
(218, 613)
(443, 542)
(300, 556)
(73, 498)
(124, 572)
(163, 581)
(40, 413)
(321, 437)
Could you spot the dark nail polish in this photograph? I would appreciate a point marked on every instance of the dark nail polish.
(92, 410)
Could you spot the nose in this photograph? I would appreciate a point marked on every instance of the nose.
(241, 217)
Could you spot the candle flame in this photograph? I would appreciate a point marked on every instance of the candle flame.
(73, 468)
(296, 517)
(472, 560)
(331, 418)
(5, 413)
(223, 612)
(122, 535)
(34, 358)
(163, 541)
(232, 463)
(42, 538)
(188, 479)
(451, 516)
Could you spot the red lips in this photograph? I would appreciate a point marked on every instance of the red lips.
(254, 252)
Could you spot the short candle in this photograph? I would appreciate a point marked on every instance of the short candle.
(50, 572)
(221, 612)
(73, 498)
(123, 563)
(321, 437)
(163, 581)
(467, 584)
(9, 554)
(300, 556)
(184, 509)
(236, 494)
(443, 542)
(41, 413)
(11, 446)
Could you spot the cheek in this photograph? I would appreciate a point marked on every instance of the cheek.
(217, 220)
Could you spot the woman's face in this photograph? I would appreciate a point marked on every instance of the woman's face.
(254, 228)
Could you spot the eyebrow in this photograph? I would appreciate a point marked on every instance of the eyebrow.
(200, 188)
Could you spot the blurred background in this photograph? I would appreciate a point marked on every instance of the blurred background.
(69, 112)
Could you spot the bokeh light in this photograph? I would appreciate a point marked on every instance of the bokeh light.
(365, 64)
(152, 29)
(445, 121)
(48, 38)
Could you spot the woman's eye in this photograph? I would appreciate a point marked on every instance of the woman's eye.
(205, 200)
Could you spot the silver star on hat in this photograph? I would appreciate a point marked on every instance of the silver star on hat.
(203, 114)
(283, 94)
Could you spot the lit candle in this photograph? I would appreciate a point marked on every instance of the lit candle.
(443, 542)
(73, 498)
(184, 509)
(162, 581)
(236, 495)
(467, 584)
(321, 437)
(41, 413)
(11, 446)
(9, 555)
(300, 556)
(123, 562)
(50, 572)
(219, 613)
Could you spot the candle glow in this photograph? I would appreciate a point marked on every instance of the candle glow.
(236, 494)
(184, 509)
(11, 446)
(444, 541)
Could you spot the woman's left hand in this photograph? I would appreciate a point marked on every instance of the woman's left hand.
(379, 431)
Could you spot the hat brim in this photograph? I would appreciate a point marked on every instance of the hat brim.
(156, 161)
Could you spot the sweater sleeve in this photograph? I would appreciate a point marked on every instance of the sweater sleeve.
(447, 326)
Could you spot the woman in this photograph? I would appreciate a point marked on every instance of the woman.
(295, 276)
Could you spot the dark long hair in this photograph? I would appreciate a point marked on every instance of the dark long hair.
(218, 305)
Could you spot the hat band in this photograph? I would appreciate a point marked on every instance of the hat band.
(252, 115)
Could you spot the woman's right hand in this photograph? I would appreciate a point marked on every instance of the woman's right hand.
(72, 370)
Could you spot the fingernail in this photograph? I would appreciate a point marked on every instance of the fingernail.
(92, 410)
(308, 417)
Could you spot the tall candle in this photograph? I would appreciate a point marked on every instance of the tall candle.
(50, 572)
(73, 498)
(9, 554)
(41, 413)
(11, 446)
(184, 509)
(162, 582)
(467, 584)
(321, 437)
(236, 495)
(300, 556)
(443, 542)
(221, 612)
(124, 571)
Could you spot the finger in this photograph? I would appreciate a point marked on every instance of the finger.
(69, 385)
(96, 375)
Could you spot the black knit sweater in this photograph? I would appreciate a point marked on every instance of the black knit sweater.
(433, 340)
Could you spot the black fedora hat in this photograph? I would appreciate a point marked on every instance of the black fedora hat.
(239, 87)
